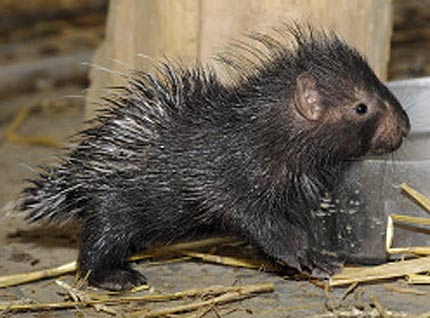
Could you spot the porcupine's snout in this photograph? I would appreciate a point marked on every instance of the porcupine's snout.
(394, 126)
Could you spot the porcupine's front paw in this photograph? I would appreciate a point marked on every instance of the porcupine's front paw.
(117, 279)
(325, 264)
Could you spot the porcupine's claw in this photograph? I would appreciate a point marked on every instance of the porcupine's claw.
(325, 264)
(117, 279)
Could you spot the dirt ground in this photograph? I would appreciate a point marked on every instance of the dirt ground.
(25, 248)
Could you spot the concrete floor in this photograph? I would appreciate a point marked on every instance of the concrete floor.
(25, 248)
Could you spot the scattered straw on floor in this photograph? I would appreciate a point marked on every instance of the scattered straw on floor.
(219, 294)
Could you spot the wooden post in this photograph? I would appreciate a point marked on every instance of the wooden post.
(189, 30)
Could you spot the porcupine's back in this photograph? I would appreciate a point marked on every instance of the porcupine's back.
(118, 144)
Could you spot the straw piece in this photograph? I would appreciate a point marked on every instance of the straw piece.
(232, 261)
(82, 296)
(139, 288)
(182, 246)
(167, 261)
(385, 271)
(348, 291)
(379, 307)
(418, 197)
(418, 279)
(17, 279)
(403, 290)
(410, 219)
(418, 250)
(44, 306)
(244, 292)
(189, 293)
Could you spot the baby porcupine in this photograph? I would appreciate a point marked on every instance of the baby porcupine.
(181, 154)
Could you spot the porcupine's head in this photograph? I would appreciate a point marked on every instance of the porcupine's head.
(317, 93)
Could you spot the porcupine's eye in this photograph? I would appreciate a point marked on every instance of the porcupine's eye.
(361, 109)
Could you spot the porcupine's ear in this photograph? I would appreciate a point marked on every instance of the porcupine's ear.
(308, 99)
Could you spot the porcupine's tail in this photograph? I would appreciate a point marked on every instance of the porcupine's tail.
(51, 197)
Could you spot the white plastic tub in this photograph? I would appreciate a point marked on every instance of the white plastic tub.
(353, 222)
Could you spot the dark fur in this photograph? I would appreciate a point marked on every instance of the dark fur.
(181, 154)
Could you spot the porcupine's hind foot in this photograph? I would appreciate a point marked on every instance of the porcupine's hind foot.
(117, 279)
(103, 256)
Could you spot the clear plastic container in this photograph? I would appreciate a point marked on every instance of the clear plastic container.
(353, 221)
